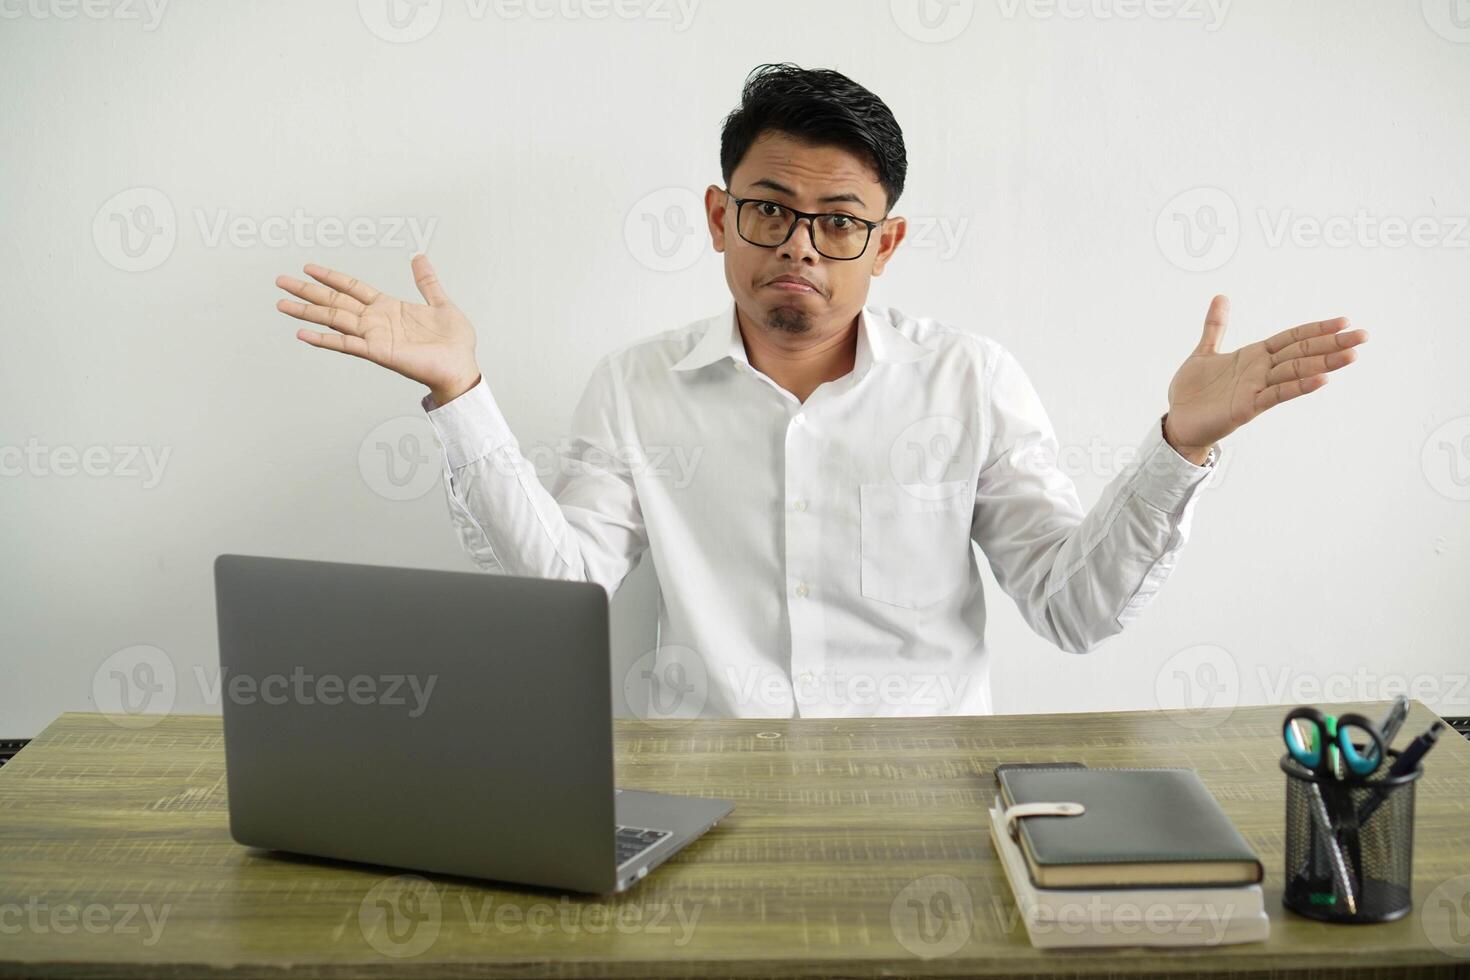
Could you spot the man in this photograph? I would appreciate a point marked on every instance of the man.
(817, 560)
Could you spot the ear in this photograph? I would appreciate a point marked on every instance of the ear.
(889, 234)
(716, 204)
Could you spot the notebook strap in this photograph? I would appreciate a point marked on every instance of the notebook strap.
(1016, 811)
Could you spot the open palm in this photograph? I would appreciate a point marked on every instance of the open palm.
(432, 343)
(1213, 394)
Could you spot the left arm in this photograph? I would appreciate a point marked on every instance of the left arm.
(1079, 578)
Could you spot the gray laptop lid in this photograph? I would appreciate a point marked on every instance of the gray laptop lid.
(444, 721)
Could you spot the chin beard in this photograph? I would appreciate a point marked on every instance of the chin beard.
(788, 320)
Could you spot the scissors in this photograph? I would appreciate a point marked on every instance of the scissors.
(1329, 743)
(1324, 744)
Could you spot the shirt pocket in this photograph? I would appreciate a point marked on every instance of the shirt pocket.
(915, 540)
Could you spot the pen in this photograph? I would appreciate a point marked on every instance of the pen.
(1394, 720)
(1341, 877)
(1408, 760)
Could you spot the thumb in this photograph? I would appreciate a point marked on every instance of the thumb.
(428, 282)
(1216, 320)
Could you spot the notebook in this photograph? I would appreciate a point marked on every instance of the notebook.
(1140, 827)
(1191, 916)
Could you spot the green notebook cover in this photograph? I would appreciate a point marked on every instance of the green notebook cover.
(1156, 827)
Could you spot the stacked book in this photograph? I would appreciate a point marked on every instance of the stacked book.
(1129, 857)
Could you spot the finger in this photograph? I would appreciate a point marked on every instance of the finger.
(321, 295)
(1216, 320)
(1305, 331)
(345, 343)
(327, 316)
(1300, 368)
(1285, 392)
(1320, 345)
(341, 282)
(428, 282)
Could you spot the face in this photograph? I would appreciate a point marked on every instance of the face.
(806, 178)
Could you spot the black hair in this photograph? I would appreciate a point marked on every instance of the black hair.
(819, 107)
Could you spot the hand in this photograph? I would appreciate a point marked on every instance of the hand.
(433, 345)
(1213, 394)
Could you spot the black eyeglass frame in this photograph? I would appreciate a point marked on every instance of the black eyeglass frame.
(811, 225)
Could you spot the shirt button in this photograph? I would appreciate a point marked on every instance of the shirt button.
(800, 505)
(798, 419)
(802, 590)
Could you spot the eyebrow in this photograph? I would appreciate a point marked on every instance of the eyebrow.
(830, 199)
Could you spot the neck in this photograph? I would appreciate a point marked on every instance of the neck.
(799, 363)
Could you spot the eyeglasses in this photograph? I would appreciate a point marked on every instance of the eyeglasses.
(833, 234)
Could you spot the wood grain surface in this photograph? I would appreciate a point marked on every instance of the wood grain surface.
(858, 848)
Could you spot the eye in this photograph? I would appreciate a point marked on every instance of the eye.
(841, 222)
(767, 209)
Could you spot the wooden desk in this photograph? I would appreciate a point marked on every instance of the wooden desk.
(834, 821)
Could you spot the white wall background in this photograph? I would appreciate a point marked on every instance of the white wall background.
(1047, 143)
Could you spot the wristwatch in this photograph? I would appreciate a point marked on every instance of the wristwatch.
(1210, 459)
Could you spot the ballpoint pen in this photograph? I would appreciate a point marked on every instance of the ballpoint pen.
(1406, 763)
(1398, 712)
(1314, 798)
(1342, 881)
(1408, 759)
(1308, 732)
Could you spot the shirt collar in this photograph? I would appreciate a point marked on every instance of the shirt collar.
(878, 342)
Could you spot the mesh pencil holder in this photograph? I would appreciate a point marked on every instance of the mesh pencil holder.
(1367, 877)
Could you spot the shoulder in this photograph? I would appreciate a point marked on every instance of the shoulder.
(655, 353)
(951, 344)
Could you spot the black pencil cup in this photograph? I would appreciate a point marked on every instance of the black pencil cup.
(1367, 877)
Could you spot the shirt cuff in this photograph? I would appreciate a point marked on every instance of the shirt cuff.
(1166, 479)
(469, 427)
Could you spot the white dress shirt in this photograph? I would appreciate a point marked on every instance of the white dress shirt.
(816, 558)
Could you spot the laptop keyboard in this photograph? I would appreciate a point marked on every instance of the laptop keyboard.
(633, 841)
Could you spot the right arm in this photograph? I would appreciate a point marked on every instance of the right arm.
(588, 527)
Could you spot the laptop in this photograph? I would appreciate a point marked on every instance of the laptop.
(453, 722)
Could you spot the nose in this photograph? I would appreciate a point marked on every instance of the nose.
(800, 243)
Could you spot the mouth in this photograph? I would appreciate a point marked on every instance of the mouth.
(793, 284)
